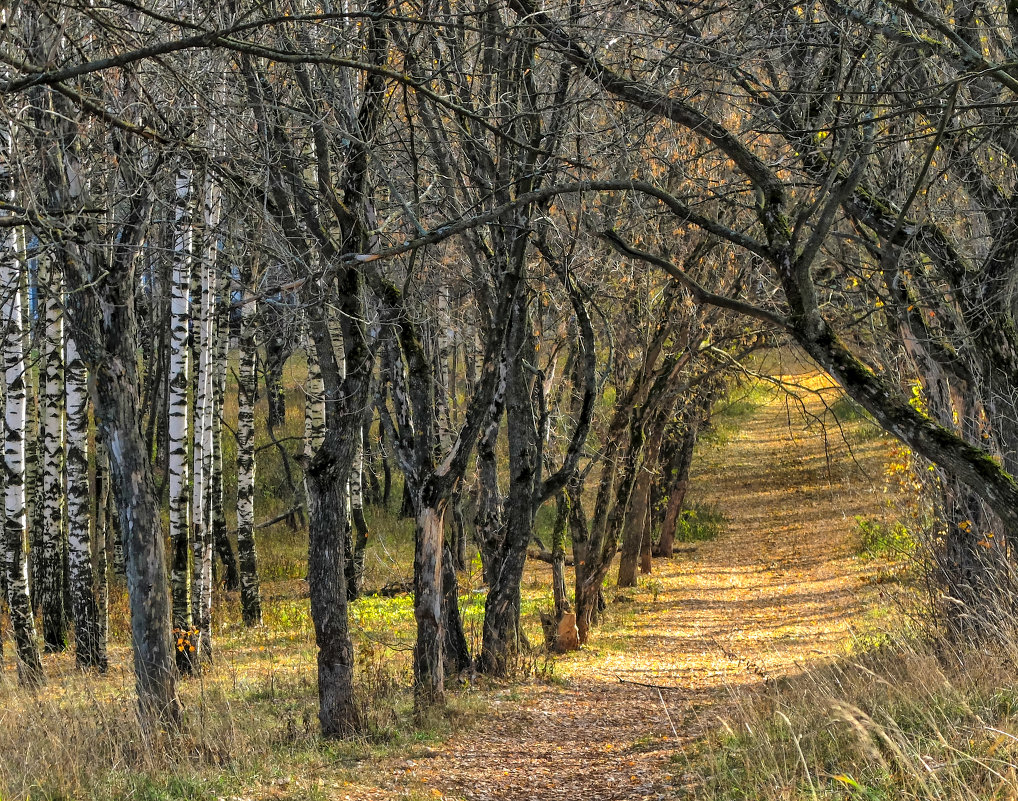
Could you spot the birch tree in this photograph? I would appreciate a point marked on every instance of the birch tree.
(19, 604)
(53, 543)
(179, 381)
(247, 395)
(89, 631)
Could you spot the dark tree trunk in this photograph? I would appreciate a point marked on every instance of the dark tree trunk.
(277, 351)
(115, 398)
(459, 531)
(558, 557)
(502, 637)
(406, 508)
(489, 525)
(633, 530)
(678, 483)
(337, 711)
(456, 652)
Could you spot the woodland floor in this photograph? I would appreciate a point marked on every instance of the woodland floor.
(783, 587)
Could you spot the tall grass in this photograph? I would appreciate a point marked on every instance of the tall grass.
(917, 714)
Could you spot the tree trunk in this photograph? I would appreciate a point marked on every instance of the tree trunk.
(359, 526)
(501, 636)
(19, 603)
(179, 421)
(678, 484)
(104, 534)
(220, 537)
(247, 396)
(429, 674)
(456, 652)
(51, 562)
(90, 650)
(201, 530)
(560, 594)
(633, 530)
(337, 712)
(489, 526)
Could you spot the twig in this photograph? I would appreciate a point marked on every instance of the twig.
(652, 686)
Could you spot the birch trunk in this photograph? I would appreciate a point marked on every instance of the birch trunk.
(358, 540)
(19, 603)
(201, 494)
(51, 561)
(101, 546)
(89, 648)
(247, 389)
(220, 537)
(314, 402)
(179, 381)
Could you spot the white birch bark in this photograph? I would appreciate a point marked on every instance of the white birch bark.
(15, 557)
(202, 462)
(314, 402)
(218, 528)
(51, 566)
(179, 369)
(247, 389)
(89, 649)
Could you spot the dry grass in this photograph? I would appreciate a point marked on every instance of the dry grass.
(910, 719)
(760, 627)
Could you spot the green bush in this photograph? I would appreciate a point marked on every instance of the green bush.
(700, 523)
(879, 540)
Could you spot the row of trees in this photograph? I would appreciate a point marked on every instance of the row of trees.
(444, 205)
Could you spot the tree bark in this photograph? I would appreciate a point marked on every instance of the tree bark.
(19, 603)
(89, 647)
(52, 556)
(247, 395)
(179, 420)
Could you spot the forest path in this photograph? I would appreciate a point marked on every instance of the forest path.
(779, 589)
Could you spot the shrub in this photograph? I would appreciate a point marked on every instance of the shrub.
(700, 523)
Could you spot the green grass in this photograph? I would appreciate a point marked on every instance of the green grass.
(739, 404)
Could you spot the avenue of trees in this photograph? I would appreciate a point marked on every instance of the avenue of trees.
(521, 248)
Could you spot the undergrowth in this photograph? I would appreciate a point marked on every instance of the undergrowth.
(915, 719)
(701, 522)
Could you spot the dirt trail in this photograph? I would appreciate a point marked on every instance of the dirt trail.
(779, 590)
